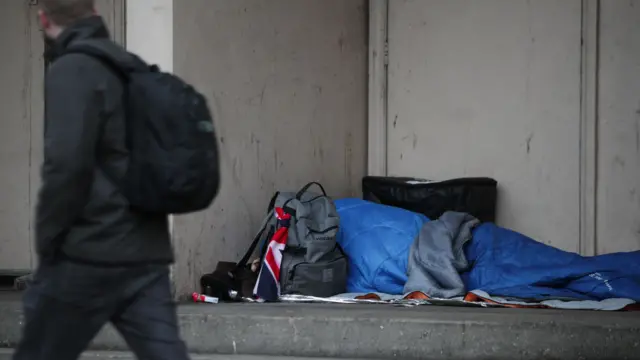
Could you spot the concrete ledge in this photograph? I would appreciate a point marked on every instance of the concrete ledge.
(382, 332)
(5, 354)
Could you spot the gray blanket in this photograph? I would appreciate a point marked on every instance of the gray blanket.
(437, 256)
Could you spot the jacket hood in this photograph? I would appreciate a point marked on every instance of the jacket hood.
(94, 30)
(92, 27)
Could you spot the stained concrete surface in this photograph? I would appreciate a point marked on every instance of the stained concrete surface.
(287, 84)
(385, 332)
(6, 355)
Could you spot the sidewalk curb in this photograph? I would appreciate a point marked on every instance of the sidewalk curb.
(96, 355)
(383, 332)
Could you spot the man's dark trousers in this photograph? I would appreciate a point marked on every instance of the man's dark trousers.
(68, 303)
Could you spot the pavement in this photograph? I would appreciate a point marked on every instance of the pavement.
(6, 355)
(384, 332)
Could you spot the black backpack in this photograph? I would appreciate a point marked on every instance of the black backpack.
(174, 165)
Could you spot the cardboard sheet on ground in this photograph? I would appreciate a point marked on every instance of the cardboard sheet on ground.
(476, 298)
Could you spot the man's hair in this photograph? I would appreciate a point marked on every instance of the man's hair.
(66, 12)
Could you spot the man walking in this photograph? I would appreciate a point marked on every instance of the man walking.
(100, 261)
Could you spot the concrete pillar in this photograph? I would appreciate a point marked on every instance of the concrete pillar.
(150, 31)
(149, 34)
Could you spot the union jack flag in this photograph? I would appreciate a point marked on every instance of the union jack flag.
(267, 287)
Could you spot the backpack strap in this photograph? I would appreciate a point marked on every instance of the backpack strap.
(245, 259)
(306, 188)
(247, 256)
(97, 49)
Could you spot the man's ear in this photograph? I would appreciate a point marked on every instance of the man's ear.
(44, 20)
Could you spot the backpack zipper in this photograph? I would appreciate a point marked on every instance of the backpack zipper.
(292, 273)
(322, 231)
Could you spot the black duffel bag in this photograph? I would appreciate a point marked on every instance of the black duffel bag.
(475, 196)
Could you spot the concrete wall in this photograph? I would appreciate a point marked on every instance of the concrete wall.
(287, 80)
(618, 155)
(21, 87)
(491, 88)
(150, 31)
(113, 12)
(503, 88)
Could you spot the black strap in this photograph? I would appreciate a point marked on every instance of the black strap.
(341, 250)
(245, 259)
(272, 203)
(95, 51)
(306, 187)
(265, 244)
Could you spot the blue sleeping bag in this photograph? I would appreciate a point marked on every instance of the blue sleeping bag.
(377, 239)
(509, 264)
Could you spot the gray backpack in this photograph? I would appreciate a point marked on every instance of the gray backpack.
(313, 263)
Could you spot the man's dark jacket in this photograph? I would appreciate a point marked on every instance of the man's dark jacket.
(81, 214)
